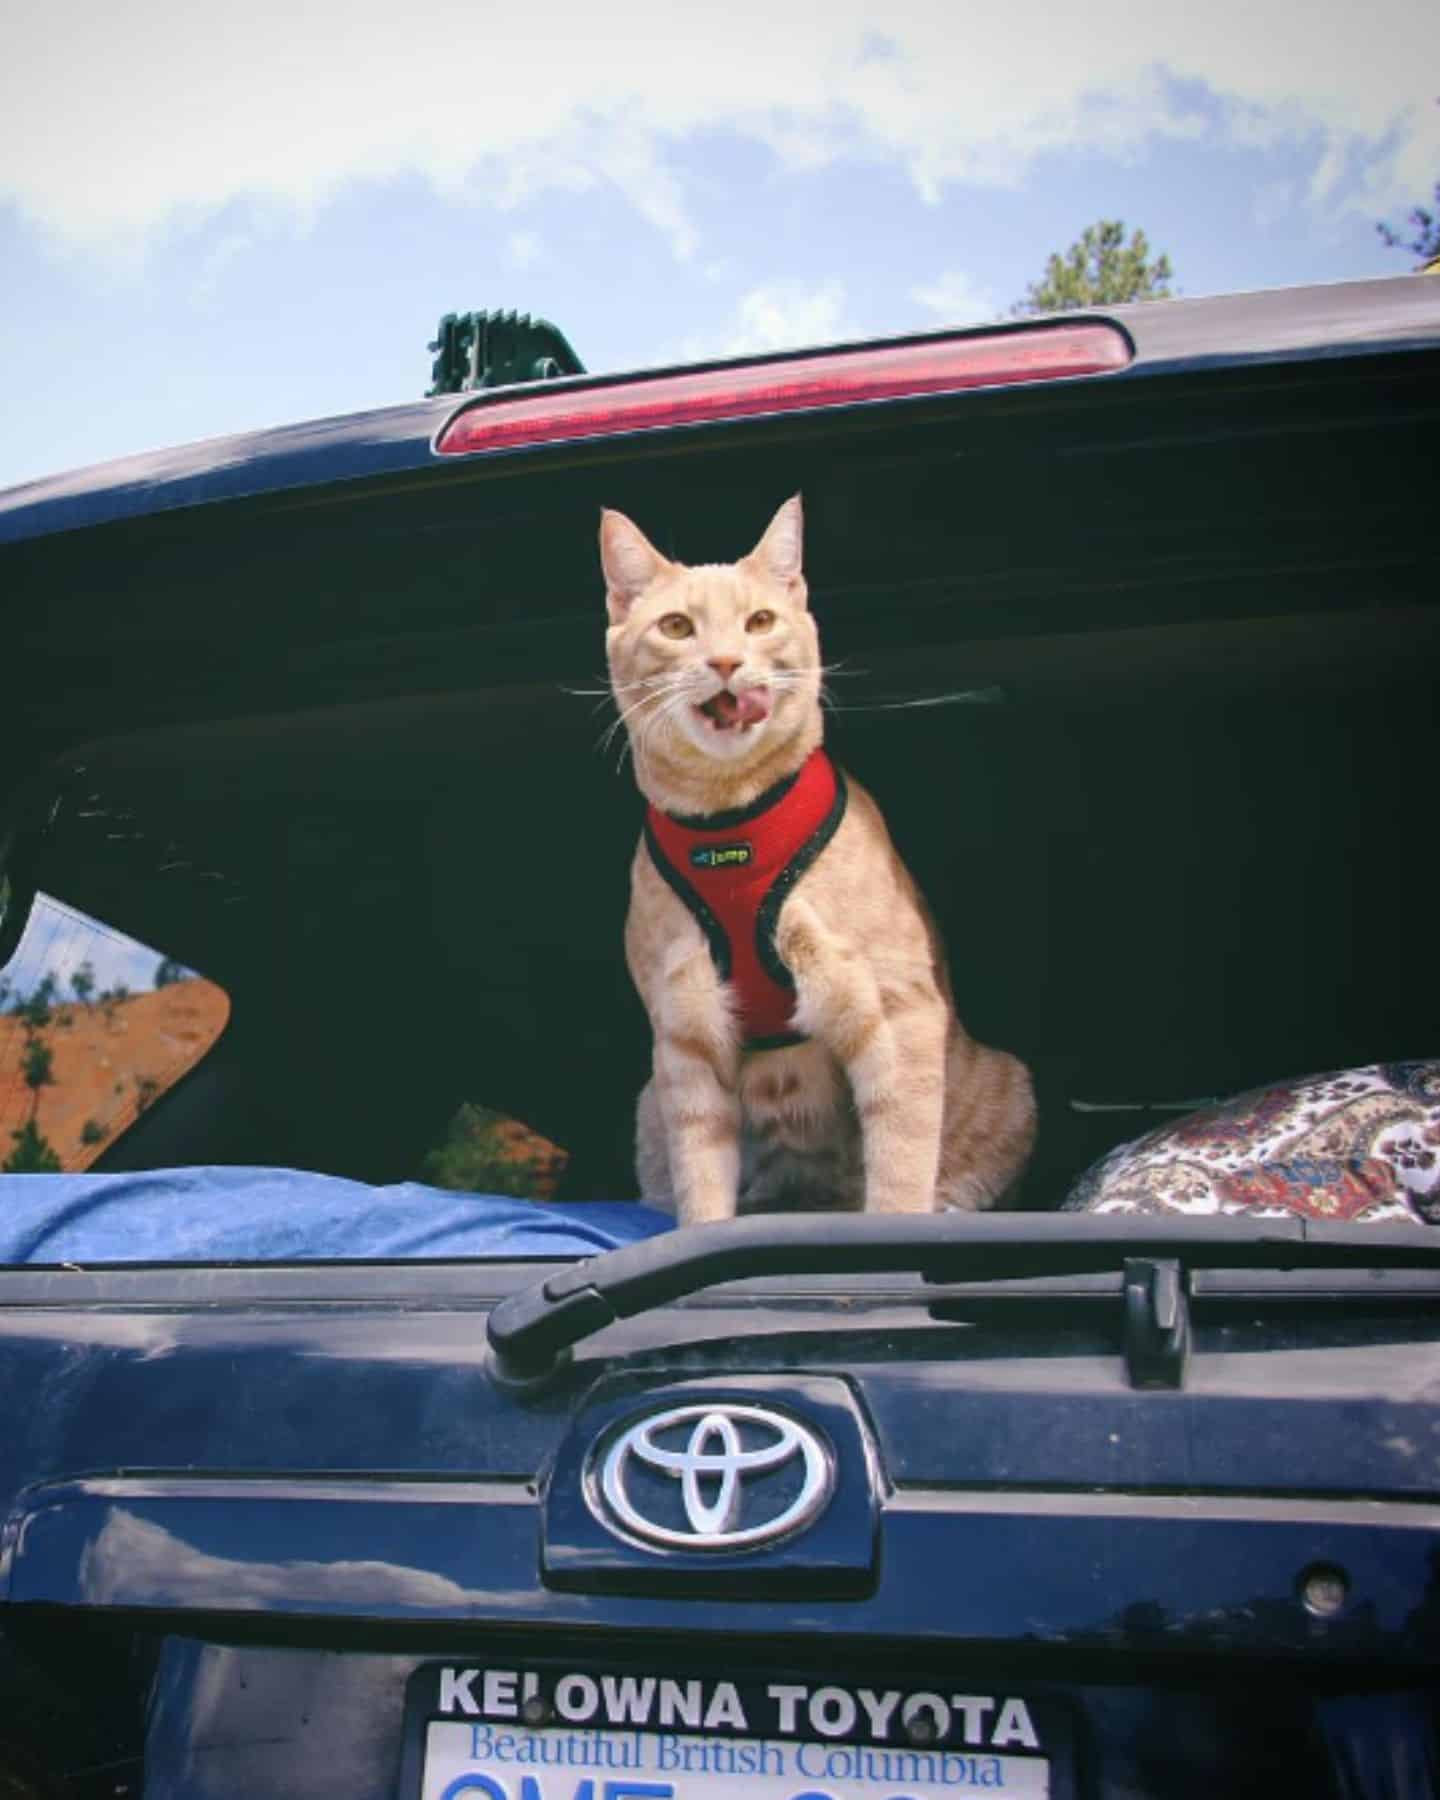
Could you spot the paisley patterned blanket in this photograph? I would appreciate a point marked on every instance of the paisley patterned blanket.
(1358, 1145)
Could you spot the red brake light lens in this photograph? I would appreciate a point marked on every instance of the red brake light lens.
(797, 384)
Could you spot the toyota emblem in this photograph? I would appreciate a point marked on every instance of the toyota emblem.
(744, 1475)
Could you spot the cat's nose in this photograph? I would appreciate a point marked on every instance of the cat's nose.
(724, 666)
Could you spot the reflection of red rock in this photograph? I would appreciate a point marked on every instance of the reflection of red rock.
(537, 1161)
(99, 1064)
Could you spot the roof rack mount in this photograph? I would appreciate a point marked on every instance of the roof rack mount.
(498, 349)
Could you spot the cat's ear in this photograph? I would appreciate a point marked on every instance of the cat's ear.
(780, 553)
(630, 561)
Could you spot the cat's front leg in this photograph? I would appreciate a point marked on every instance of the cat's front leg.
(697, 1069)
(892, 1048)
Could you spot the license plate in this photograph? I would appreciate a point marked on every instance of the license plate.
(484, 1762)
(540, 1732)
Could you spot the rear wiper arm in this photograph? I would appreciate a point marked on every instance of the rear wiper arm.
(531, 1333)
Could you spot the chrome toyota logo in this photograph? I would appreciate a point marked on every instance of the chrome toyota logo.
(746, 1476)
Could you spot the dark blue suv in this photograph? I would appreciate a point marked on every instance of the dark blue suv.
(362, 1438)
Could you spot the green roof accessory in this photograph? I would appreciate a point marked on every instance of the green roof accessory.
(498, 349)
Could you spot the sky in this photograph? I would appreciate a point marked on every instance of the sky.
(215, 219)
(59, 939)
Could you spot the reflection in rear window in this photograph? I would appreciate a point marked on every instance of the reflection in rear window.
(95, 1028)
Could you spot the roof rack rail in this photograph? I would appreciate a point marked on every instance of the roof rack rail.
(498, 349)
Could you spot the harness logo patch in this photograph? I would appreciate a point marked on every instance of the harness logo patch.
(721, 856)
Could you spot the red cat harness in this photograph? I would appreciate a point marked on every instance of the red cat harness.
(734, 869)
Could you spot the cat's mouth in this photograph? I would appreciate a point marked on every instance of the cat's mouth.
(736, 712)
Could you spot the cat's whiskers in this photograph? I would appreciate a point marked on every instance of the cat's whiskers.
(661, 690)
(980, 696)
(622, 717)
(598, 694)
(666, 712)
(791, 681)
(607, 737)
(666, 678)
(620, 687)
(606, 695)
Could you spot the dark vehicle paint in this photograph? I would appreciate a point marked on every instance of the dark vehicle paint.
(238, 1441)
(347, 1478)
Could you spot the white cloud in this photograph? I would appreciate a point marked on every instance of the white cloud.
(956, 299)
(523, 249)
(133, 118)
(1272, 202)
(210, 275)
(786, 315)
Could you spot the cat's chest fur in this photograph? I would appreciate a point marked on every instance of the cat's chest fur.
(800, 1146)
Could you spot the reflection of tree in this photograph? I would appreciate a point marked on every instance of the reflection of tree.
(486, 1152)
(38, 1064)
(33, 1154)
(34, 1013)
(111, 998)
(82, 982)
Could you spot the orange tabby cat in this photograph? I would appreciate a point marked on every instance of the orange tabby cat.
(806, 1048)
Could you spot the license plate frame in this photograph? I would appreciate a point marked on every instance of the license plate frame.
(525, 1728)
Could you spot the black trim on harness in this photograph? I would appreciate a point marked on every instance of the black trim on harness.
(768, 913)
(739, 815)
(782, 1040)
(704, 918)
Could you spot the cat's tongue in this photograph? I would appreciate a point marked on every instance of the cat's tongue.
(726, 710)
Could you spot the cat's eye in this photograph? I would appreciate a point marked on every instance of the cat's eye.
(760, 621)
(677, 625)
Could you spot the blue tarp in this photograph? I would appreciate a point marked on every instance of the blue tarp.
(285, 1215)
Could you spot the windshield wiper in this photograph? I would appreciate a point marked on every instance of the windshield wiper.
(531, 1333)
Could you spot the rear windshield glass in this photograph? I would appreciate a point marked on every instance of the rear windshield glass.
(1138, 685)
(294, 988)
